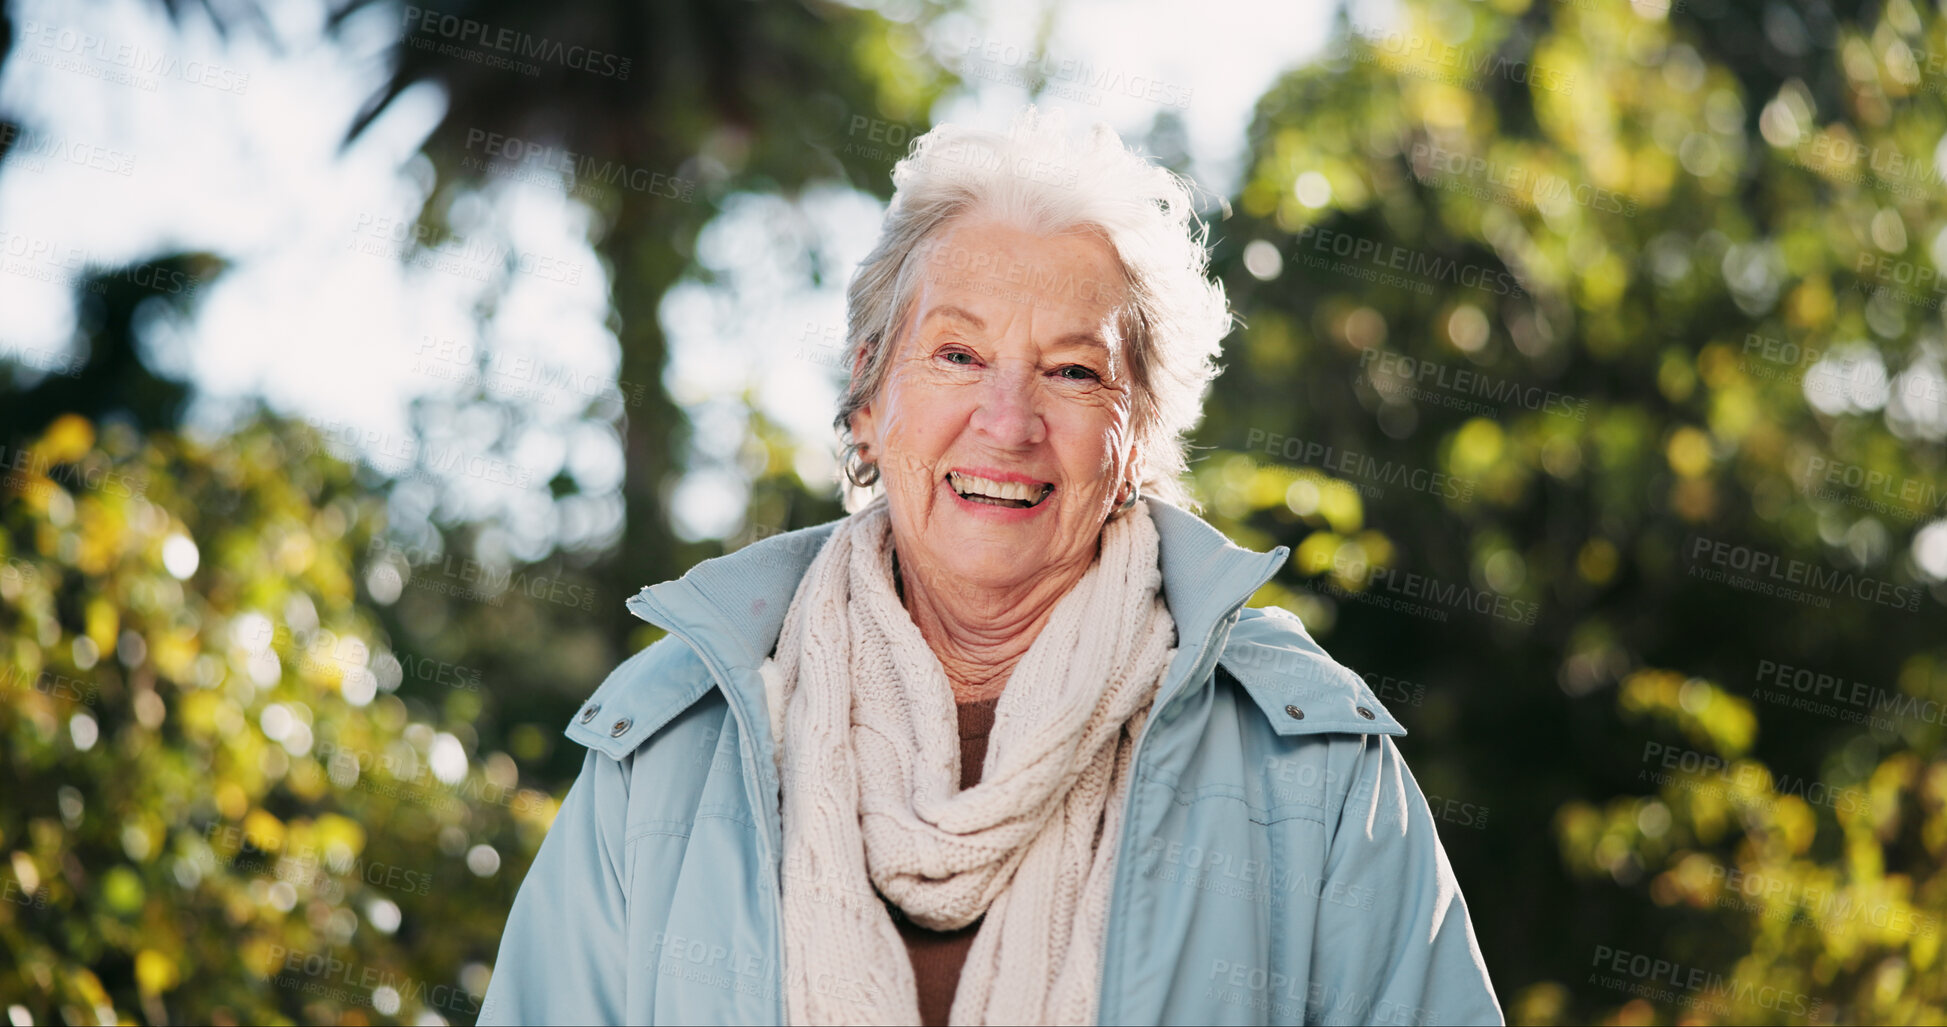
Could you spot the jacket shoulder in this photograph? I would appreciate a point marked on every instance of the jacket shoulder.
(639, 696)
(1274, 657)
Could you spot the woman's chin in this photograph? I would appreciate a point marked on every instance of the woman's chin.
(977, 564)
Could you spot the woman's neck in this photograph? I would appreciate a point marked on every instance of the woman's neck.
(979, 634)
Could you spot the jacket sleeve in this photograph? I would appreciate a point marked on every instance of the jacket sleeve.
(563, 954)
(1394, 944)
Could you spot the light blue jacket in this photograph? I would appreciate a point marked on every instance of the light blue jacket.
(1278, 864)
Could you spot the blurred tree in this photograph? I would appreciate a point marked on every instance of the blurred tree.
(701, 100)
(713, 98)
(1558, 334)
(110, 379)
(234, 796)
(228, 799)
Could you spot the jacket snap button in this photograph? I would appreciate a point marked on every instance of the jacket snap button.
(620, 726)
(1296, 713)
(1366, 713)
(589, 713)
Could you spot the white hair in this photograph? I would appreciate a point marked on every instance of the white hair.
(1174, 316)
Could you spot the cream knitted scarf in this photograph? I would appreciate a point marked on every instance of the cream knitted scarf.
(869, 760)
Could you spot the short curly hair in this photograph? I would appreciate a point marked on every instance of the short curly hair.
(1174, 315)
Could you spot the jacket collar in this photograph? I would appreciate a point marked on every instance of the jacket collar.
(730, 610)
(734, 605)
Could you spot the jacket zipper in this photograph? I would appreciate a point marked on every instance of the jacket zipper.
(752, 779)
(1197, 673)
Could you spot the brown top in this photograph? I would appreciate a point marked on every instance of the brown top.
(938, 955)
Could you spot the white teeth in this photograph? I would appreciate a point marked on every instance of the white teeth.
(968, 484)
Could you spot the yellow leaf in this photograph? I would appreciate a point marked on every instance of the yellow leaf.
(231, 800)
(1689, 452)
(155, 973)
(68, 439)
(264, 830)
(103, 622)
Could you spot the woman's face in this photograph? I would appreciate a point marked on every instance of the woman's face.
(1002, 428)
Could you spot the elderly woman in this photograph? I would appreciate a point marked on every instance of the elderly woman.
(1003, 745)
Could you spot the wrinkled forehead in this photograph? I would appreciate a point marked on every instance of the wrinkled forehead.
(1069, 283)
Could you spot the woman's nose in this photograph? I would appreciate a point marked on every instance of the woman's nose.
(1009, 410)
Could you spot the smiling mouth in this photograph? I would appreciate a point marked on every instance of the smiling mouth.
(1017, 494)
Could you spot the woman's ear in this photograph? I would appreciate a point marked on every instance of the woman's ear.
(864, 421)
(864, 428)
(858, 363)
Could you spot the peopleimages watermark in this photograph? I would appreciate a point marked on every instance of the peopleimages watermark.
(531, 160)
(1767, 357)
(1457, 811)
(1643, 976)
(1394, 691)
(20, 895)
(320, 973)
(1916, 63)
(46, 361)
(823, 345)
(1069, 78)
(1832, 696)
(52, 683)
(1012, 279)
(1421, 57)
(884, 140)
(85, 53)
(1780, 898)
(306, 864)
(504, 47)
(1847, 160)
(24, 470)
(425, 460)
(1893, 276)
(412, 242)
(486, 581)
(1423, 595)
(1881, 492)
(411, 779)
(44, 260)
(1824, 371)
(1310, 669)
(746, 971)
(66, 266)
(1510, 184)
(32, 151)
(322, 649)
(1393, 264)
(967, 160)
(1705, 773)
(1392, 374)
(1754, 570)
(515, 376)
(1300, 781)
(1348, 464)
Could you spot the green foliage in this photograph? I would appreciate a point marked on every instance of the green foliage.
(1527, 386)
(228, 800)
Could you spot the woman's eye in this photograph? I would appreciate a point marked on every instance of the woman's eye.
(1078, 373)
(954, 355)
